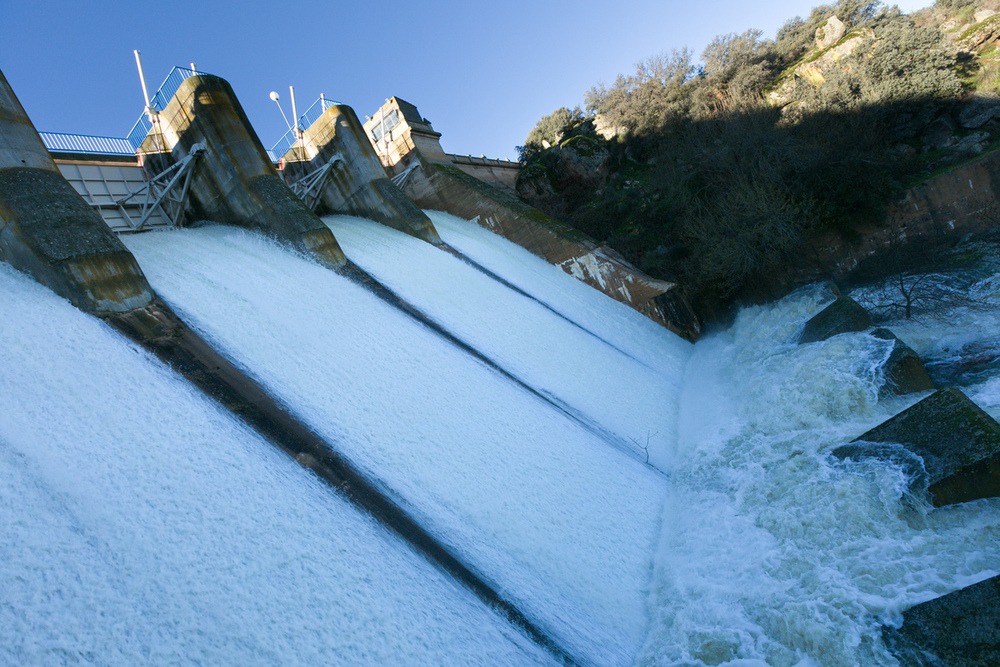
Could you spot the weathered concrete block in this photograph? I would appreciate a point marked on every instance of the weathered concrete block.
(904, 371)
(359, 185)
(957, 444)
(48, 231)
(841, 316)
(961, 628)
(235, 182)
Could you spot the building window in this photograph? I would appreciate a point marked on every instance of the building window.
(391, 121)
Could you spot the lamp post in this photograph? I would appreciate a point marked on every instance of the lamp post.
(274, 96)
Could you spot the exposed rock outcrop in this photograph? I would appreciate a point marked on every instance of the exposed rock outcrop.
(984, 31)
(816, 65)
(830, 32)
(956, 445)
(983, 14)
(940, 133)
(977, 110)
(579, 163)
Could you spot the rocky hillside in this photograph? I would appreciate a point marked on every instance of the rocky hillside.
(715, 173)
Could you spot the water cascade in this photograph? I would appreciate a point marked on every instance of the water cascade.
(142, 524)
(566, 529)
(134, 500)
(771, 552)
(572, 365)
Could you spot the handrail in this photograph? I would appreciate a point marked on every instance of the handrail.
(483, 160)
(159, 102)
(305, 121)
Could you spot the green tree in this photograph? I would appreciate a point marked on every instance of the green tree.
(726, 54)
(655, 94)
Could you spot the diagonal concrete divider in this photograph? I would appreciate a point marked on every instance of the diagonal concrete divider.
(235, 182)
(445, 187)
(49, 232)
(162, 332)
(359, 186)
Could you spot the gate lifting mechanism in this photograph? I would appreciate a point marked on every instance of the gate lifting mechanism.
(166, 192)
(310, 187)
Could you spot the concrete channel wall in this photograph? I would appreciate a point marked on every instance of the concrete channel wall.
(358, 185)
(445, 187)
(48, 231)
(235, 182)
(439, 181)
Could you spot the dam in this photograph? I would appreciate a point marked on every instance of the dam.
(636, 498)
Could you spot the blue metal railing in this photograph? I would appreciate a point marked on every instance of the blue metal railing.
(159, 102)
(305, 121)
(62, 142)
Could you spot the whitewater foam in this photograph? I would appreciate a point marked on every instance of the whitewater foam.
(553, 516)
(140, 524)
(771, 552)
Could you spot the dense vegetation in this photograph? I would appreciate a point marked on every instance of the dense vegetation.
(716, 173)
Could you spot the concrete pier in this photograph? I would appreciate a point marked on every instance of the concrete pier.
(49, 232)
(235, 182)
(359, 185)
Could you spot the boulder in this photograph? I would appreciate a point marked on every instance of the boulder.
(533, 182)
(972, 143)
(583, 162)
(829, 33)
(956, 444)
(576, 165)
(939, 134)
(904, 371)
(983, 14)
(841, 316)
(961, 628)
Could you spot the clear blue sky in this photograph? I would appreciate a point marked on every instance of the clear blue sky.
(482, 72)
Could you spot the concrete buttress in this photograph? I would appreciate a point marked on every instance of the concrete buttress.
(48, 231)
(235, 182)
(359, 185)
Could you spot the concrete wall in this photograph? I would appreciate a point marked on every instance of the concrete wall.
(501, 173)
(482, 189)
(358, 185)
(48, 231)
(235, 182)
(445, 187)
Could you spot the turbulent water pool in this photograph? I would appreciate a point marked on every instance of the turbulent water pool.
(648, 501)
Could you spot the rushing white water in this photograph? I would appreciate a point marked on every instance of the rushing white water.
(593, 377)
(627, 330)
(185, 535)
(961, 334)
(562, 522)
(139, 524)
(771, 553)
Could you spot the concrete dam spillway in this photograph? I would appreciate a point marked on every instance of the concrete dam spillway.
(618, 494)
